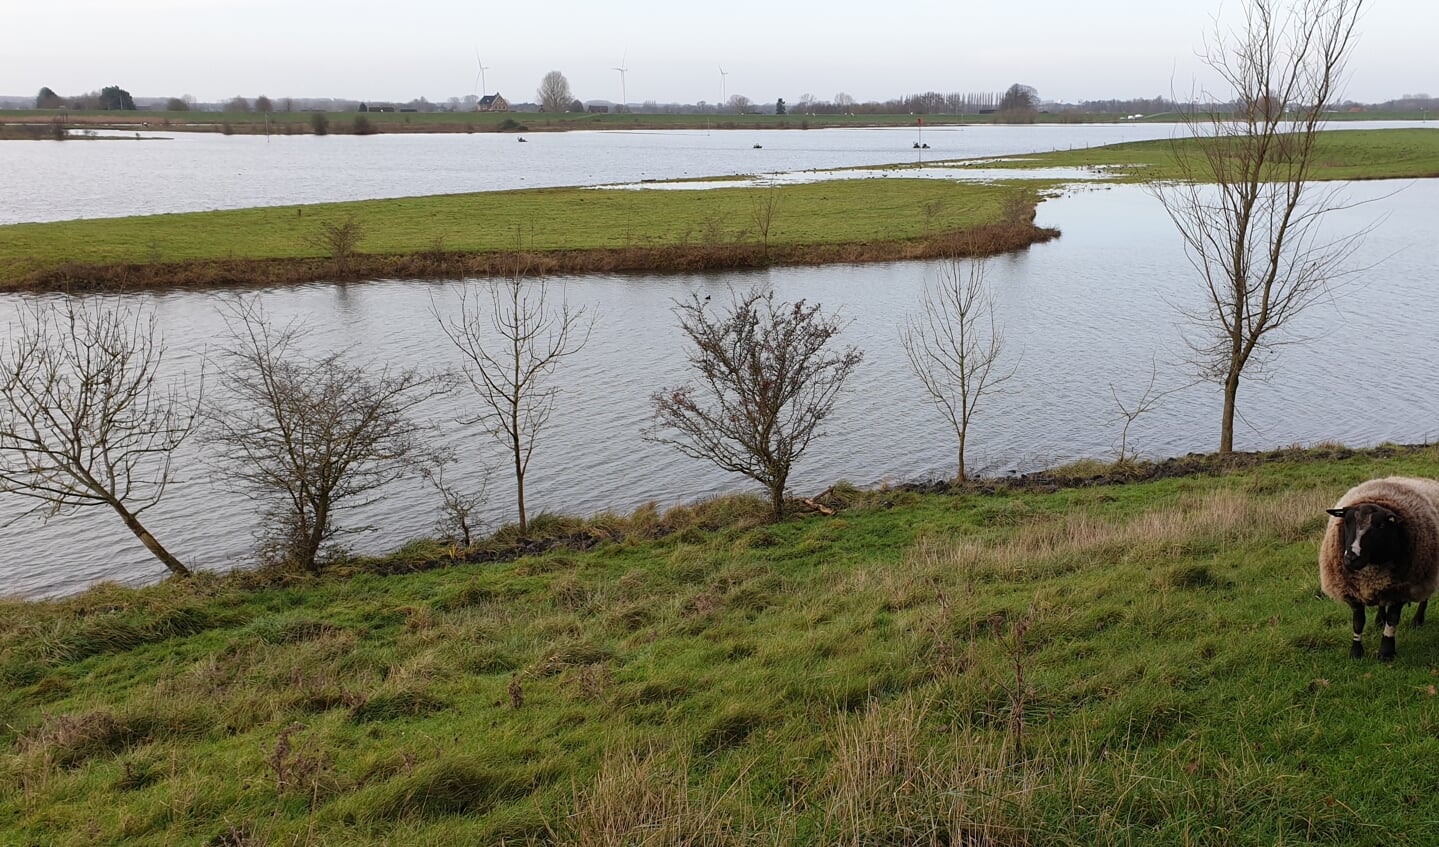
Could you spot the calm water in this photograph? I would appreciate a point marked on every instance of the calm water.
(1087, 311)
(187, 172)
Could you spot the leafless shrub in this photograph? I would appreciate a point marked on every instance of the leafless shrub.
(1130, 412)
(339, 239)
(310, 435)
(86, 417)
(768, 381)
(1018, 208)
(458, 507)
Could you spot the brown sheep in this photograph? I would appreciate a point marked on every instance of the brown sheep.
(1382, 549)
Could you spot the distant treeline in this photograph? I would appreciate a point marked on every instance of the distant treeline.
(926, 103)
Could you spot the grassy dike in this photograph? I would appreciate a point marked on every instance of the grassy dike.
(1135, 663)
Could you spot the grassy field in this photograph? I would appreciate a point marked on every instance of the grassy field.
(845, 212)
(1343, 154)
(1145, 663)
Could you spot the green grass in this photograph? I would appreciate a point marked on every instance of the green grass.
(543, 219)
(1343, 154)
(846, 680)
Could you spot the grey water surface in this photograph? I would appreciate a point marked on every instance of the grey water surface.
(1086, 314)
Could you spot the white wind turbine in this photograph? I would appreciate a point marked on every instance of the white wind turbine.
(480, 76)
(624, 92)
(723, 88)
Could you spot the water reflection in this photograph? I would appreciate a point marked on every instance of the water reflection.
(1089, 310)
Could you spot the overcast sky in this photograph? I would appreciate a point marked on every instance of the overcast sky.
(1070, 50)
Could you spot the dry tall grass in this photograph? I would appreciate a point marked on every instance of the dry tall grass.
(645, 799)
(1078, 538)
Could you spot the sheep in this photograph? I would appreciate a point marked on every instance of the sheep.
(1381, 549)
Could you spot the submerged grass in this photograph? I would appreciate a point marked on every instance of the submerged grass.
(1137, 663)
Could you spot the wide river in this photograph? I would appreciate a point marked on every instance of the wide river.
(191, 172)
(1086, 315)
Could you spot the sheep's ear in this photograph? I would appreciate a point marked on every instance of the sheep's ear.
(1338, 513)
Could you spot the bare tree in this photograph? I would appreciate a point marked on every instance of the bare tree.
(554, 92)
(459, 507)
(739, 104)
(512, 346)
(764, 206)
(1248, 216)
(309, 436)
(88, 418)
(954, 346)
(768, 380)
(1142, 405)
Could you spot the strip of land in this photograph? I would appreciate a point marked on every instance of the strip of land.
(576, 230)
(1145, 663)
(46, 123)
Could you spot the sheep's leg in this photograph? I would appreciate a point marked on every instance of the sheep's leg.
(1391, 625)
(1356, 649)
(1419, 612)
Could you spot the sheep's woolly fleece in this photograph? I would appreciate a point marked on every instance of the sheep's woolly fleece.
(1417, 500)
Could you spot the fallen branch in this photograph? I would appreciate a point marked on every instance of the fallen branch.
(819, 507)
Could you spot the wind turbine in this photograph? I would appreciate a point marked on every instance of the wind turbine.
(480, 75)
(624, 92)
(723, 89)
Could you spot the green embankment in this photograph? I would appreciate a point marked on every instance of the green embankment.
(1145, 663)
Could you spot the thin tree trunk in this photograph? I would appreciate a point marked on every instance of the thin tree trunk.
(962, 476)
(1226, 432)
(520, 487)
(154, 546)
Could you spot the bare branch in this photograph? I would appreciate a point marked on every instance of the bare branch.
(85, 419)
(310, 436)
(512, 346)
(954, 346)
(1245, 209)
(767, 381)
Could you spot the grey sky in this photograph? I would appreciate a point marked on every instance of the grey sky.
(374, 50)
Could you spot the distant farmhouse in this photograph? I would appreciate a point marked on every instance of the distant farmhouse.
(492, 103)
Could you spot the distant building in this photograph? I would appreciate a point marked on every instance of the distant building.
(599, 110)
(492, 103)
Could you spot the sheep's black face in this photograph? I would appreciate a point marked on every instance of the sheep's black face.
(1373, 535)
